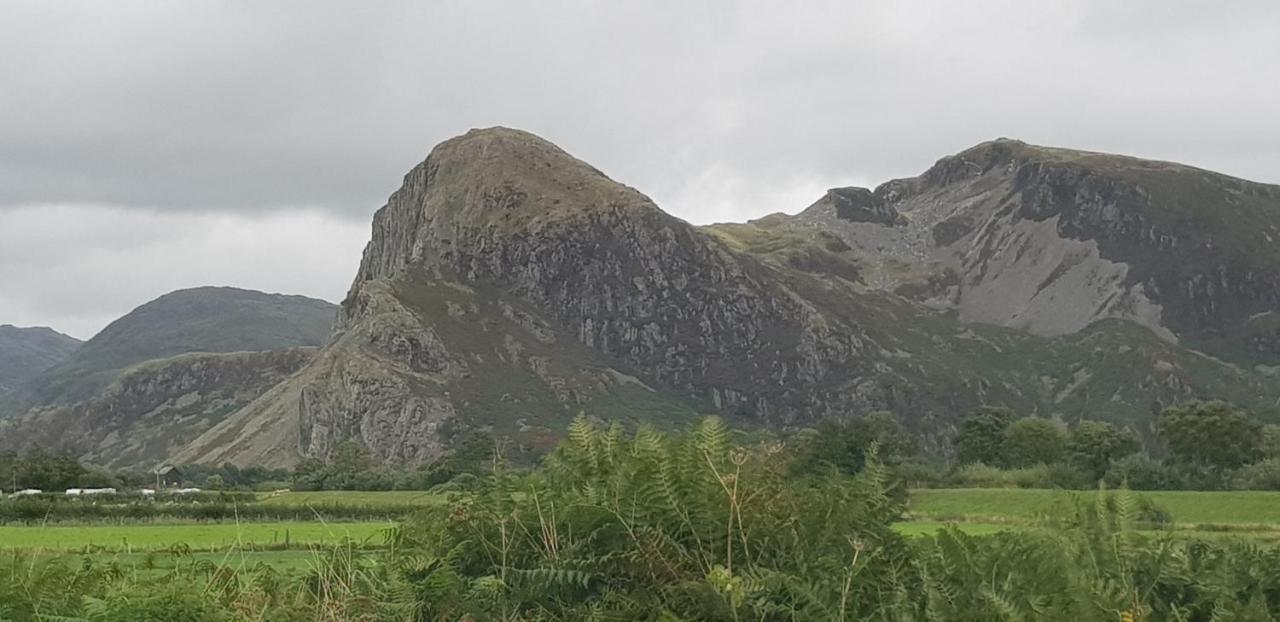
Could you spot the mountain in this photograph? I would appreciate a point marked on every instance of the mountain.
(203, 319)
(158, 377)
(509, 285)
(154, 408)
(1052, 240)
(25, 352)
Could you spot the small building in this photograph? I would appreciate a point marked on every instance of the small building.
(74, 492)
(27, 492)
(98, 491)
(168, 476)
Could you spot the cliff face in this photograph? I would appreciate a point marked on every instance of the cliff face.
(509, 285)
(1052, 240)
(154, 408)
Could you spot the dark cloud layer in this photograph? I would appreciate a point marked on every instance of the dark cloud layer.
(185, 112)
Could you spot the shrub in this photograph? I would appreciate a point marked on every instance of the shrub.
(1263, 475)
(1141, 472)
(920, 474)
(689, 527)
(978, 475)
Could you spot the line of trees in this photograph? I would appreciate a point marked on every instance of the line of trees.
(350, 466)
(1198, 445)
(38, 468)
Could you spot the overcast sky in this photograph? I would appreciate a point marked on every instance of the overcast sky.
(149, 146)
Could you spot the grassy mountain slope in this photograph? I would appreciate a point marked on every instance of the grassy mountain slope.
(205, 319)
(25, 352)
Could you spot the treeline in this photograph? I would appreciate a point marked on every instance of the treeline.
(350, 466)
(38, 468)
(211, 508)
(1197, 446)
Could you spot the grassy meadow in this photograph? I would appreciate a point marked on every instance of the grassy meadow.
(974, 511)
(196, 537)
(1205, 510)
(654, 528)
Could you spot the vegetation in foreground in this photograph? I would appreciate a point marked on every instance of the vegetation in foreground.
(687, 527)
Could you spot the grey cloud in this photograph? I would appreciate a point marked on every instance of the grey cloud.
(246, 106)
(719, 110)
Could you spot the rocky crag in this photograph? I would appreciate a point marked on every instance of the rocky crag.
(509, 285)
(1053, 240)
(155, 408)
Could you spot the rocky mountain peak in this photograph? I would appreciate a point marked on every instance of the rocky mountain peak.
(857, 205)
(483, 196)
(1051, 240)
(508, 286)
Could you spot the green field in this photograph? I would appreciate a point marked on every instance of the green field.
(380, 498)
(160, 562)
(198, 537)
(1189, 509)
(975, 511)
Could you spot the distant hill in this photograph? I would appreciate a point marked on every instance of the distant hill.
(202, 319)
(25, 352)
(153, 408)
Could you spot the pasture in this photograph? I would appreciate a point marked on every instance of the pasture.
(975, 511)
(1208, 511)
(128, 538)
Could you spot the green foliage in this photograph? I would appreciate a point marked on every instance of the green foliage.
(1210, 434)
(1269, 441)
(650, 526)
(1140, 472)
(41, 469)
(696, 526)
(1093, 445)
(350, 466)
(982, 434)
(232, 476)
(978, 475)
(844, 444)
(1264, 475)
(1033, 440)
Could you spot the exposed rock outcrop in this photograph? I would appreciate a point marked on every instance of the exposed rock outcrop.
(155, 408)
(1052, 240)
(509, 285)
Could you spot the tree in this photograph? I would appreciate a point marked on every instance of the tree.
(1093, 445)
(1033, 440)
(1210, 434)
(982, 434)
(844, 443)
(1269, 444)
